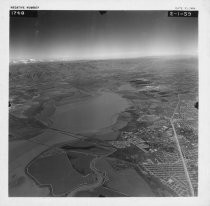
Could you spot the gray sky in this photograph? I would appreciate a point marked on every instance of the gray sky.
(90, 35)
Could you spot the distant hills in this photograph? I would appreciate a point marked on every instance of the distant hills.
(24, 61)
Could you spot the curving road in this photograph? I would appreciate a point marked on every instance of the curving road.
(99, 179)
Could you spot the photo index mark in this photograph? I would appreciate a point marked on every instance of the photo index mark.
(23, 13)
(182, 13)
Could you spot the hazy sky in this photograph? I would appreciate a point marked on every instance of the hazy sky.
(90, 35)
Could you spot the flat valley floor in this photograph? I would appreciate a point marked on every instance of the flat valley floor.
(104, 128)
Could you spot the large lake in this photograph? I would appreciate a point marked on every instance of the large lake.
(90, 115)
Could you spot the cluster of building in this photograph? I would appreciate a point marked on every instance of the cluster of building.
(166, 157)
(188, 111)
(162, 159)
(170, 174)
(129, 138)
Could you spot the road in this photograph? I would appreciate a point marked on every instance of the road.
(99, 179)
(180, 151)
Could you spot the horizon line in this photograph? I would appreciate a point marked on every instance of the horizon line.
(34, 60)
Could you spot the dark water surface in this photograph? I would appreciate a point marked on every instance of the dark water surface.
(90, 115)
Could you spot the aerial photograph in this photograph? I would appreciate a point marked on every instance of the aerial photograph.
(103, 104)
